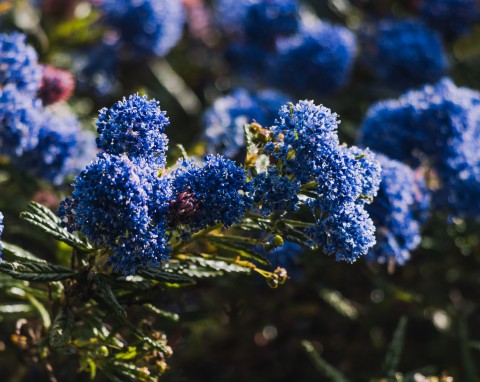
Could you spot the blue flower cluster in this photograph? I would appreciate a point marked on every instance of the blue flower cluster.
(217, 192)
(271, 43)
(35, 138)
(19, 64)
(122, 203)
(307, 150)
(346, 233)
(404, 53)
(119, 201)
(20, 117)
(398, 212)
(111, 206)
(319, 58)
(273, 192)
(259, 21)
(437, 126)
(135, 127)
(148, 27)
(63, 148)
(451, 17)
(223, 121)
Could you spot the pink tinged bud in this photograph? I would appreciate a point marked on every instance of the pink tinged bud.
(57, 85)
(184, 206)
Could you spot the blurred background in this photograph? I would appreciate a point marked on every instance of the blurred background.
(192, 55)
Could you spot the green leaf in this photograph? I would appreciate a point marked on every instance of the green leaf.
(340, 303)
(164, 276)
(61, 332)
(220, 266)
(46, 221)
(15, 308)
(162, 313)
(392, 359)
(109, 300)
(17, 253)
(321, 365)
(32, 271)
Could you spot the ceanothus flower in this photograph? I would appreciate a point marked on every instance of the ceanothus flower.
(452, 18)
(60, 144)
(258, 20)
(343, 179)
(112, 206)
(225, 119)
(370, 170)
(346, 233)
(20, 118)
(216, 192)
(308, 146)
(19, 64)
(319, 58)
(398, 212)
(149, 27)
(437, 125)
(273, 192)
(404, 53)
(135, 127)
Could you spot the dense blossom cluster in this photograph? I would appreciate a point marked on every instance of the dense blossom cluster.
(37, 139)
(135, 127)
(259, 20)
(306, 144)
(225, 119)
(20, 117)
(438, 126)
(405, 52)
(275, 192)
(219, 188)
(451, 17)
(319, 58)
(347, 232)
(121, 202)
(111, 206)
(19, 64)
(270, 43)
(398, 212)
(148, 27)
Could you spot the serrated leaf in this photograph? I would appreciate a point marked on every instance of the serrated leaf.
(107, 296)
(219, 265)
(33, 271)
(17, 253)
(199, 267)
(60, 334)
(45, 220)
(164, 276)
